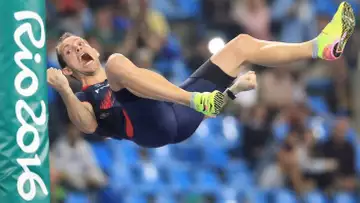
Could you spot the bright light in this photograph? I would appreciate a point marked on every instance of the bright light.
(216, 44)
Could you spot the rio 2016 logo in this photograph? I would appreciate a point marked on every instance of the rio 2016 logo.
(28, 178)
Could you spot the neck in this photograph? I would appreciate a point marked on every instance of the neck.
(99, 76)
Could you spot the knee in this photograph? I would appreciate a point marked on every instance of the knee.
(246, 44)
(244, 38)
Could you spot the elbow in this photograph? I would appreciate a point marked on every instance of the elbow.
(89, 129)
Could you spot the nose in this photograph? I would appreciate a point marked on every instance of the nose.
(78, 49)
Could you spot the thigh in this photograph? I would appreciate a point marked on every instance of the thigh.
(154, 122)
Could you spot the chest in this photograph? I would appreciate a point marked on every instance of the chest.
(103, 101)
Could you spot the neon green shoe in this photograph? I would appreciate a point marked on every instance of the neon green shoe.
(208, 103)
(333, 38)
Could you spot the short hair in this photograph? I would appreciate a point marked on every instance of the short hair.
(60, 58)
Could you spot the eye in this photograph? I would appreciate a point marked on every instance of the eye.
(68, 52)
(81, 43)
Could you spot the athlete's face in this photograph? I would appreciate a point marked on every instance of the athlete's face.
(80, 57)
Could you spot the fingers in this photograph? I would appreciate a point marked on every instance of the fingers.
(250, 76)
(53, 75)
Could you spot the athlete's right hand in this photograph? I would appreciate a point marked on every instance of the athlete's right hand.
(57, 79)
(246, 81)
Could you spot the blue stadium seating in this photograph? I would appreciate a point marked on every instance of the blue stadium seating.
(135, 197)
(280, 131)
(165, 198)
(161, 156)
(179, 178)
(187, 153)
(315, 197)
(120, 177)
(171, 171)
(76, 197)
(110, 194)
(351, 135)
(215, 156)
(207, 181)
(253, 195)
(126, 152)
(358, 157)
(344, 197)
(232, 132)
(177, 9)
(103, 155)
(284, 196)
(147, 178)
(318, 105)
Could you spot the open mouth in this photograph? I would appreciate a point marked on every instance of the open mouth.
(86, 58)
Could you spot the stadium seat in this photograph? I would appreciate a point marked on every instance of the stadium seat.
(161, 156)
(344, 197)
(280, 130)
(240, 181)
(318, 105)
(202, 135)
(256, 195)
(284, 196)
(227, 194)
(177, 9)
(237, 166)
(76, 197)
(187, 153)
(232, 132)
(358, 158)
(126, 152)
(179, 178)
(135, 197)
(103, 155)
(319, 84)
(207, 181)
(110, 194)
(216, 125)
(351, 135)
(165, 198)
(179, 72)
(238, 175)
(315, 197)
(215, 156)
(120, 177)
(147, 178)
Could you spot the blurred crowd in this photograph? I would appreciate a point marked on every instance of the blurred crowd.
(290, 140)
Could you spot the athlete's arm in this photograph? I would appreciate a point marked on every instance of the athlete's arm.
(80, 113)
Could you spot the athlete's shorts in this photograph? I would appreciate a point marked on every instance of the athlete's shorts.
(158, 123)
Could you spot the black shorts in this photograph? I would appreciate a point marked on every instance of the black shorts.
(159, 123)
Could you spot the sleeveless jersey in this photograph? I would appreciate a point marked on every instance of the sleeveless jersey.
(111, 117)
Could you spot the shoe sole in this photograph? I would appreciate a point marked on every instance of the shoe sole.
(219, 102)
(348, 26)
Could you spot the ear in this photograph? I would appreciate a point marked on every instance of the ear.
(67, 71)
